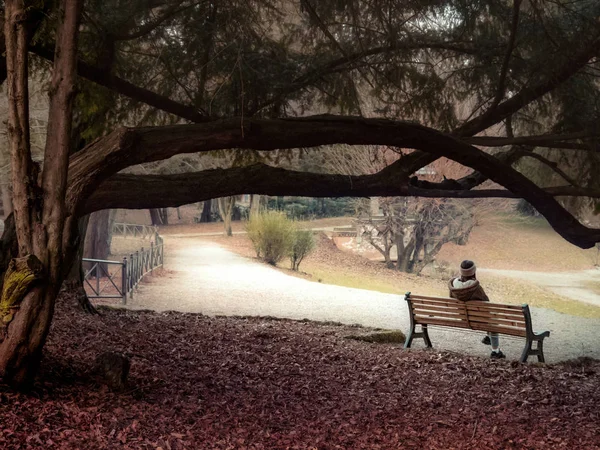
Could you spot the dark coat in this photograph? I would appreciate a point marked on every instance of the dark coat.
(474, 292)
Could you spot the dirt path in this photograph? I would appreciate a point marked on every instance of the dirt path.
(568, 284)
(205, 278)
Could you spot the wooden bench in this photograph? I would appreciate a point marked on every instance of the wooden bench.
(473, 315)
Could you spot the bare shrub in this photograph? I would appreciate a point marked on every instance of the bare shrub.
(304, 243)
(272, 235)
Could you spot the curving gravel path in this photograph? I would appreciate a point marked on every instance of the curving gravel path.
(205, 278)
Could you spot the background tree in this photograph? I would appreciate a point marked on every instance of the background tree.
(416, 230)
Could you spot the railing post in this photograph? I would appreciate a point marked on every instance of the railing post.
(124, 280)
(151, 258)
(137, 268)
(97, 272)
(130, 275)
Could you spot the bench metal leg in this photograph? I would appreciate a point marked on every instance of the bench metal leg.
(426, 336)
(526, 351)
(409, 338)
(530, 351)
(414, 334)
(540, 347)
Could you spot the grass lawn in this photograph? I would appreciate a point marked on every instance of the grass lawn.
(594, 286)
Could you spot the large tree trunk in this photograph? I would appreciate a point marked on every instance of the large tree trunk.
(98, 236)
(74, 281)
(206, 215)
(24, 337)
(159, 216)
(43, 230)
(254, 204)
(403, 253)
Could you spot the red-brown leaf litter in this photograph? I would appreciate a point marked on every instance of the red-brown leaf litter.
(198, 382)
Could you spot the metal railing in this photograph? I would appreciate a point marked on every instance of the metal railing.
(134, 230)
(105, 282)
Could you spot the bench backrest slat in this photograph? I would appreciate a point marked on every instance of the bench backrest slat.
(487, 306)
(499, 329)
(482, 316)
(437, 313)
(497, 321)
(442, 322)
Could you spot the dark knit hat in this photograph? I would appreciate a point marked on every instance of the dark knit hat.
(467, 268)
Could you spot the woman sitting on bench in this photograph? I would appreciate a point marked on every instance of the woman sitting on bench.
(467, 288)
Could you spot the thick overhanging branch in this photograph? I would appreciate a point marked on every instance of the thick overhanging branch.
(557, 191)
(158, 191)
(126, 147)
(547, 140)
(162, 191)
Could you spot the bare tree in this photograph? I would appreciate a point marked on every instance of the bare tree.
(416, 229)
(226, 205)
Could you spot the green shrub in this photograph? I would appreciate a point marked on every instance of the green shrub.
(272, 235)
(304, 243)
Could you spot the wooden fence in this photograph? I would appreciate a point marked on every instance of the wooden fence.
(118, 279)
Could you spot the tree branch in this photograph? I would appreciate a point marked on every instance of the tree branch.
(552, 165)
(24, 177)
(530, 93)
(544, 140)
(162, 191)
(33, 20)
(123, 87)
(147, 28)
(126, 147)
(333, 66)
(557, 191)
(144, 191)
(505, 63)
(58, 138)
